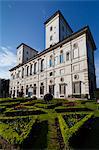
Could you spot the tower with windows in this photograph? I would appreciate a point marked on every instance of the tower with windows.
(24, 53)
(56, 29)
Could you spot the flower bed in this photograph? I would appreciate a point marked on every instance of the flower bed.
(71, 119)
(15, 131)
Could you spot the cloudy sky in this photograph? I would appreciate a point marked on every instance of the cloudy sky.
(23, 21)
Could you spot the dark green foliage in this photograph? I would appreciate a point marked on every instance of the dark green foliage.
(71, 109)
(48, 97)
(37, 138)
(33, 124)
(24, 112)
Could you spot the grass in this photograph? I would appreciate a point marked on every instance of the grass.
(45, 132)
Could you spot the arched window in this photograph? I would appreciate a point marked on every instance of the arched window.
(27, 70)
(34, 89)
(50, 62)
(35, 68)
(61, 57)
(22, 72)
(67, 56)
(42, 65)
(31, 69)
(42, 89)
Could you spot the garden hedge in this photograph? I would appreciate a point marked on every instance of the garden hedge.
(68, 132)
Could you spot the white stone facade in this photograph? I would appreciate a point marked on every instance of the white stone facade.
(65, 69)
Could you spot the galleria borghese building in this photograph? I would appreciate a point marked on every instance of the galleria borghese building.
(65, 68)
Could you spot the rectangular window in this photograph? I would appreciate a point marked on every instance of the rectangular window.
(76, 68)
(62, 71)
(56, 60)
(41, 89)
(27, 70)
(51, 28)
(51, 89)
(42, 65)
(22, 72)
(51, 73)
(31, 69)
(67, 56)
(62, 89)
(51, 37)
(35, 65)
(77, 87)
(27, 90)
(34, 89)
(75, 53)
(61, 58)
(50, 62)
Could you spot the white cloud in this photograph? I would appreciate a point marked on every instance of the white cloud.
(7, 61)
(7, 57)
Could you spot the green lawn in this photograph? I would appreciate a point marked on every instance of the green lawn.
(35, 124)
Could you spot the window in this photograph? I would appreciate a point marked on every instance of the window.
(51, 73)
(51, 37)
(22, 72)
(51, 28)
(51, 89)
(27, 52)
(31, 69)
(35, 65)
(62, 88)
(61, 71)
(42, 89)
(77, 87)
(27, 58)
(75, 51)
(27, 70)
(42, 65)
(27, 90)
(76, 67)
(50, 62)
(34, 89)
(12, 76)
(61, 58)
(67, 56)
(56, 60)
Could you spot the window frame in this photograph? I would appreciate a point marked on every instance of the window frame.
(60, 89)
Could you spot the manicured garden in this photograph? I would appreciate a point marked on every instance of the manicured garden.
(57, 124)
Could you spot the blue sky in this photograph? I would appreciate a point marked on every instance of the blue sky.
(23, 21)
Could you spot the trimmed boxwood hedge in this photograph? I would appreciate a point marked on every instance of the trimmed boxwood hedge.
(8, 132)
(71, 109)
(48, 106)
(24, 112)
(68, 132)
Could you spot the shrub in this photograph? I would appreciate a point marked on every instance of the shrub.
(48, 97)
(34, 98)
(68, 133)
(71, 109)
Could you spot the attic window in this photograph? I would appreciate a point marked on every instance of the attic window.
(75, 45)
(51, 28)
